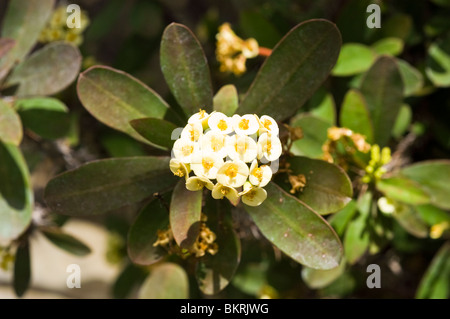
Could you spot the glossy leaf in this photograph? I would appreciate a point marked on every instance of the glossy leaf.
(438, 62)
(323, 106)
(23, 22)
(22, 269)
(213, 273)
(355, 114)
(340, 220)
(105, 185)
(156, 131)
(354, 58)
(297, 230)
(317, 278)
(185, 213)
(298, 65)
(226, 100)
(66, 242)
(315, 133)
(388, 46)
(5, 46)
(143, 234)
(10, 125)
(115, 98)
(16, 195)
(410, 220)
(166, 281)
(47, 117)
(47, 71)
(403, 121)
(185, 69)
(404, 190)
(328, 188)
(412, 78)
(433, 176)
(382, 88)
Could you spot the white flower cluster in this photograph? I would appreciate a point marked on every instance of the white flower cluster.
(227, 155)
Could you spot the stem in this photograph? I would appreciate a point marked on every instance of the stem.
(265, 51)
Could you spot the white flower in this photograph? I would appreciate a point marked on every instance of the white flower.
(196, 183)
(178, 168)
(214, 141)
(192, 132)
(183, 149)
(242, 147)
(233, 174)
(268, 124)
(386, 205)
(206, 164)
(253, 196)
(201, 117)
(220, 122)
(245, 125)
(220, 191)
(269, 146)
(259, 176)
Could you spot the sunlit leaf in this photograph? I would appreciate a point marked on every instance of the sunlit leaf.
(354, 58)
(315, 132)
(404, 190)
(340, 220)
(156, 131)
(389, 46)
(432, 215)
(438, 62)
(10, 125)
(22, 269)
(403, 121)
(166, 281)
(226, 100)
(66, 242)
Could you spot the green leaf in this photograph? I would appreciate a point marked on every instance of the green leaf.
(402, 122)
(382, 88)
(23, 22)
(47, 71)
(66, 242)
(185, 213)
(16, 195)
(115, 98)
(185, 69)
(432, 215)
(226, 100)
(412, 78)
(317, 278)
(166, 281)
(410, 220)
(214, 273)
(118, 144)
(130, 277)
(355, 114)
(298, 65)
(340, 220)
(315, 132)
(404, 190)
(323, 106)
(157, 131)
(435, 283)
(5, 46)
(433, 176)
(10, 125)
(22, 269)
(438, 62)
(47, 117)
(297, 230)
(354, 58)
(105, 185)
(390, 46)
(143, 234)
(399, 25)
(328, 188)
(255, 25)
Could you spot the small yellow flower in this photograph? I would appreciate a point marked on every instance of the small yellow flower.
(179, 168)
(214, 141)
(184, 149)
(59, 18)
(206, 164)
(164, 237)
(437, 230)
(259, 176)
(245, 125)
(192, 132)
(268, 124)
(242, 147)
(220, 122)
(73, 38)
(253, 196)
(233, 174)
(196, 183)
(201, 117)
(220, 191)
(269, 146)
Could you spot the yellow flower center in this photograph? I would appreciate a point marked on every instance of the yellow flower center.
(216, 143)
(267, 147)
(179, 172)
(187, 150)
(231, 171)
(194, 134)
(222, 125)
(207, 163)
(201, 113)
(224, 191)
(267, 123)
(241, 147)
(243, 124)
(251, 194)
(258, 173)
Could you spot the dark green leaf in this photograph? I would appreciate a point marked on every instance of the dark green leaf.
(432, 215)
(317, 278)
(10, 125)
(340, 220)
(404, 190)
(47, 71)
(382, 88)
(297, 230)
(298, 65)
(403, 121)
(185, 69)
(226, 100)
(412, 78)
(66, 242)
(16, 195)
(355, 114)
(143, 234)
(328, 188)
(323, 106)
(410, 220)
(166, 281)
(115, 98)
(443, 3)
(389, 46)
(105, 185)
(22, 269)
(354, 58)
(118, 144)
(438, 62)
(130, 277)
(185, 213)
(47, 117)
(255, 25)
(23, 22)
(315, 132)
(156, 131)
